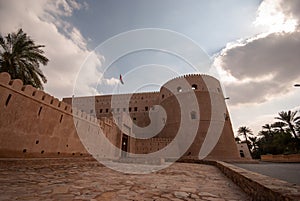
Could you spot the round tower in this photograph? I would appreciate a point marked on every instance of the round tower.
(214, 137)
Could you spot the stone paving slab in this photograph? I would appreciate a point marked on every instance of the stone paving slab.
(88, 180)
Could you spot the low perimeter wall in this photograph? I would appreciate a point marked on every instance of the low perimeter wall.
(260, 187)
(292, 158)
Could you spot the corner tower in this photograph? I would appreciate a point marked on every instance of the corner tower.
(214, 138)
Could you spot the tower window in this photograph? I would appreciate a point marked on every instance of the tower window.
(194, 86)
(193, 115)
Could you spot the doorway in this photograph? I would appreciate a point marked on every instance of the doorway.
(124, 145)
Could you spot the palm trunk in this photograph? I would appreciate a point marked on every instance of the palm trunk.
(245, 134)
(293, 131)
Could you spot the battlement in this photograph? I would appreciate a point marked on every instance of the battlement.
(41, 97)
(36, 124)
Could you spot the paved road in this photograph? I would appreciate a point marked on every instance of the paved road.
(289, 172)
(87, 180)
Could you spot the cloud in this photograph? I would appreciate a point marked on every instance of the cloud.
(263, 66)
(66, 48)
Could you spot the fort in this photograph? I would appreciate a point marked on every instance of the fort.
(43, 144)
(39, 125)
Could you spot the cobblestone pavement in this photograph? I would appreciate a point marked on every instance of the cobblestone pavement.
(88, 180)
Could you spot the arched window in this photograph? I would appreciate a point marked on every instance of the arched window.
(194, 86)
(193, 115)
(179, 89)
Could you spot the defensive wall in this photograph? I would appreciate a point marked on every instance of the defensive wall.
(212, 119)
(35, 124)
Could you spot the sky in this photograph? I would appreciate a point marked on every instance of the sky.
(251, 46)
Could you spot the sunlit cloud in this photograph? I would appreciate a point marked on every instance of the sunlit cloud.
(271, 16)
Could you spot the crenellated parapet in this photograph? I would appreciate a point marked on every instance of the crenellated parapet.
(36, 124)
(40, 96)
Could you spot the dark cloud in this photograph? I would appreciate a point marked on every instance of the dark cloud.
(264, 68)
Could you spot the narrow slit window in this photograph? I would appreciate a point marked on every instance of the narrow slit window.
(7, 100)
(61, 117)
(40, 110)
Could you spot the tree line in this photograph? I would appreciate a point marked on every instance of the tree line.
(280, 137)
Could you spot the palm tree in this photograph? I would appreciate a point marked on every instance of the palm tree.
(253, 142)
(297, 128)
(237, 139)
(268, 127)
(290, 119)
(21, 58)
(279, 125)
(245, 131)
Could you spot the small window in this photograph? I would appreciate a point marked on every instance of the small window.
(40, 110)
(124, 109)
(134, 118)
(219, 90)
(242, 154)
(146, 108)
(91, 111)
(194, 86)
(106, 110)
(163, 96)
(193, 115)
(130, 109)
(101, 110)
(61, 117)
(179, 89)
(135, 109)
(7, 100)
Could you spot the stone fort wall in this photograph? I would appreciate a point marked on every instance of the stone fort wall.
(209, 97)
(35, 124)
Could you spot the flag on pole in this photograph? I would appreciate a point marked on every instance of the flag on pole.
(121, 80)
